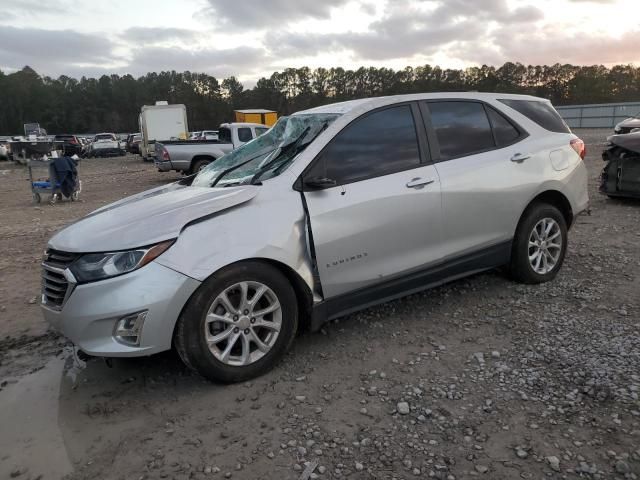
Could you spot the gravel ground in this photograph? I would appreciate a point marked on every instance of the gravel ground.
(480, 378)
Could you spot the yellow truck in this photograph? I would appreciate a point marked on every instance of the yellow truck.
(257, 115)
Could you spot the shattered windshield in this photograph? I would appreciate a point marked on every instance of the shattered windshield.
(268, 155)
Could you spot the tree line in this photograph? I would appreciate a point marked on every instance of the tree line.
(112, 102)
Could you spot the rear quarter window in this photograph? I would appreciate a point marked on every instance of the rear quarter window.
(539, 112)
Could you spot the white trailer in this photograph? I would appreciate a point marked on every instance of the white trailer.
(160, 123)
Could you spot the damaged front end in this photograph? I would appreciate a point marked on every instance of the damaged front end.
(621, 175)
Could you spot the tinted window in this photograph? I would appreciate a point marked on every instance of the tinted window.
(541, 113)
(377, 144)
(462, 128)
(224, 135)
(244, 134)
(505, 132)
(260, 131)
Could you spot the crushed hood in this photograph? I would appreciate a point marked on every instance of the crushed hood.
(629, 141)
(147, 218)
(630, 123)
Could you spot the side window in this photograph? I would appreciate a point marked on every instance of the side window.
(540, 112)
(462, 128)
(377, 144)
(244, 134)
(505, 132)
(224, 135)
(260, 131)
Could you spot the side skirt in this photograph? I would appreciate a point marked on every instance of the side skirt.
(468, 264)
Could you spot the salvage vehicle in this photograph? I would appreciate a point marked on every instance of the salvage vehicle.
(191, 156)
(70, 143)
(621, 174)
(105, 145)
(332, 210)
(628, 125)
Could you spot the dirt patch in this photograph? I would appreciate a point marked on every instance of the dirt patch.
(480, 378)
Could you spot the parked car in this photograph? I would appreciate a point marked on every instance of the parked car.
(134, 147)
(71, 144)
(133, 143)
(628, 125)
(208, 135)
(333, 210)
(194, 135)
(621, 174)
(190, 156)
(4, 148)
(105, 145)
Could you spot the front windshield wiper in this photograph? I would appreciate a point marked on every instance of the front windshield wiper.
(235, 167)
(293, 147)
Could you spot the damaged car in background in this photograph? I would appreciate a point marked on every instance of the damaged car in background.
(621, 174)
(629, 125)
(332, 210)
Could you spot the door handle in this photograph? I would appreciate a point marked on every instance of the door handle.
(520, 157)
(419, 182)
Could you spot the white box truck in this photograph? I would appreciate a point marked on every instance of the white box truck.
(159, 123)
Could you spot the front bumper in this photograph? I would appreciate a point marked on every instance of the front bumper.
(89, 316)
(106, 152)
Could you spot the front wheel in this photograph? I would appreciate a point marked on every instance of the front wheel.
(540, 245)
(239, 323)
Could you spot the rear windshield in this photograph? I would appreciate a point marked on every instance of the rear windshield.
(541, 113)
(64, 137)
(105, 136)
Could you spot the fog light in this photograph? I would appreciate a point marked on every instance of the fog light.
(129, 328)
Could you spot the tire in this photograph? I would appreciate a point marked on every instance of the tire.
(199, 165)
(37, 198)
(522, 267)
(192, 330)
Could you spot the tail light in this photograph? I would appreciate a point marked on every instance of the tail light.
(579, 147)
(74, 140)
(165, 154)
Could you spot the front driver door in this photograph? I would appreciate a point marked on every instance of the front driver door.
(383, 216)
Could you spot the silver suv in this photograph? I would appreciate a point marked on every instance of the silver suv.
(332, 210)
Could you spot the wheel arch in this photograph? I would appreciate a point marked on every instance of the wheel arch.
(555, 198)
(304, 296)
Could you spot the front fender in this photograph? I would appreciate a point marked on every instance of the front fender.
(273, 229)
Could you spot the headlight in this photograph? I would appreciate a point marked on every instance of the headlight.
(98, 266)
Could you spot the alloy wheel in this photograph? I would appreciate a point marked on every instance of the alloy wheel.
(545, 246)
(243, 323)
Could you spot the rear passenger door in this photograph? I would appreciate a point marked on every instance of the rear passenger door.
(476, 147)
(375, 208)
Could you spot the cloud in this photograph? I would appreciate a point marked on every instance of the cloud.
(406, 30)
(154, 35)
(216, 62)
(52, 51)
(258, 14)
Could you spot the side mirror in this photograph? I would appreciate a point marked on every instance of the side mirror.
(319, 183)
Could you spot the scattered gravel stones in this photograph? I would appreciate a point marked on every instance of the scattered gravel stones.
(403, 408)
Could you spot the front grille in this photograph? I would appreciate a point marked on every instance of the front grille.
(55, 286)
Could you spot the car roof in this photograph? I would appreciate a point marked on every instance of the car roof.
(255, 110)
(363, 104)
(242, 124)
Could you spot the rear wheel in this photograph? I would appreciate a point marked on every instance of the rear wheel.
(239, 323)
(199, 165)
(540, 245)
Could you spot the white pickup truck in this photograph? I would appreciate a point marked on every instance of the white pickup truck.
(190, 156)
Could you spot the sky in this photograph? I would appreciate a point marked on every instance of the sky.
(253, 38)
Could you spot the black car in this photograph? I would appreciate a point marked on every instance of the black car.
(621, 175)
(70, 143)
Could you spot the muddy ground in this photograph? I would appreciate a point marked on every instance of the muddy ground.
(482, 378)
